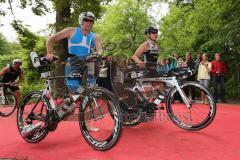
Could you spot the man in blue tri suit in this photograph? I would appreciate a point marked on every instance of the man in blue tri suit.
(80, 43)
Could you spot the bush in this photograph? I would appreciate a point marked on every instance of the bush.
(27, 87)
(233, 88)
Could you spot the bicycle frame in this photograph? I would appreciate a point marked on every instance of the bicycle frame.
(47, 90)
(173, 81)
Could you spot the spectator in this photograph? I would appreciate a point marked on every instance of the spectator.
(181, 63)
(190, 63)
(167, 66)
(219, 70)
(203, 76)
(198, 60)
(174, 61)
(162, 67)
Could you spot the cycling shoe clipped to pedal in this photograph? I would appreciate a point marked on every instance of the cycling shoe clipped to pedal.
(30, 129)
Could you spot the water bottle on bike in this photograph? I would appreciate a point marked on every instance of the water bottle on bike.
(35, 59)
(66, 108)
(158, 99)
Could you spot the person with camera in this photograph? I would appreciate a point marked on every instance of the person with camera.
(219, 70)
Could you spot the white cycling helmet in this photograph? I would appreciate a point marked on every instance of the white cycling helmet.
(17, 61)
(86, 15)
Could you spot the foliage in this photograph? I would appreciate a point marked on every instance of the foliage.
(204, 26)
(125, 20)
(3, 44)
(191, 25)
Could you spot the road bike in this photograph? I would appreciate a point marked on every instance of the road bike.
(8, 101)
(96, 107)
(189, 105)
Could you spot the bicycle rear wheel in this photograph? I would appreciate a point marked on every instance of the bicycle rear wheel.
(100, 110)
(8, 104)
(199, 115)
(33, 109)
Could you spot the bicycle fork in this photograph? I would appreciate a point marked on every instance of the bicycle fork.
(182, 94)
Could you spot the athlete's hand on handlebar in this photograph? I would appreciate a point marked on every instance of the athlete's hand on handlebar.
(94, 56)
(52, 57)
(141, 65)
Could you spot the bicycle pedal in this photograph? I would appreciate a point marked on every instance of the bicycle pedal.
(161, 108)
(97, 118)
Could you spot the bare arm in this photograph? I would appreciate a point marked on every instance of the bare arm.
(4, 70)
(66, 33)
(98, 44)
(141, 49)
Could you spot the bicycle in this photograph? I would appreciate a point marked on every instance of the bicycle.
(8, 101)
(94, 104)
(184, 108)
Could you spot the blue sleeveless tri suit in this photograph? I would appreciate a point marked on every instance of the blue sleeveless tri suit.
(79, 47)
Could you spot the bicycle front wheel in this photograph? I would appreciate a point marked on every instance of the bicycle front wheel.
(8, 104)
(100, 120)
(33, 109)
(202, 110)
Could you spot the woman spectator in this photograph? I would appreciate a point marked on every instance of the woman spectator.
(204, 71)
(162, 67)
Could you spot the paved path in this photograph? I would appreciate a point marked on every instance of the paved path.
(154, 140)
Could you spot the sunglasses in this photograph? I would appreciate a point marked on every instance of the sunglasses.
(88, 20)
(17, 64)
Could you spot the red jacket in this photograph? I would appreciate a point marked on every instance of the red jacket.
(218, 66)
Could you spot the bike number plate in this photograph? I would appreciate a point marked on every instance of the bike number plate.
(80, 89)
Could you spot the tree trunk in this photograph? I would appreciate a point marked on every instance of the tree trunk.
(62, 20)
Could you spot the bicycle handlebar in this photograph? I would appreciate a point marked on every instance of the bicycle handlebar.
(74, 75)
(180, 72)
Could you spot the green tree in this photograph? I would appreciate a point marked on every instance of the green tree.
(66, 15)
(3, 44)
(125, 20)
(204, 26)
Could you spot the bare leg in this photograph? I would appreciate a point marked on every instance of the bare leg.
(17, 94)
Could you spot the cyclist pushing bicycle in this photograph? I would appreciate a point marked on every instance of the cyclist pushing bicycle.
(80, 43)
(150, 52)
(39, 114)
(12, 75)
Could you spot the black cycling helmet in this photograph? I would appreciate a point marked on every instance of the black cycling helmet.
(151, 29)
